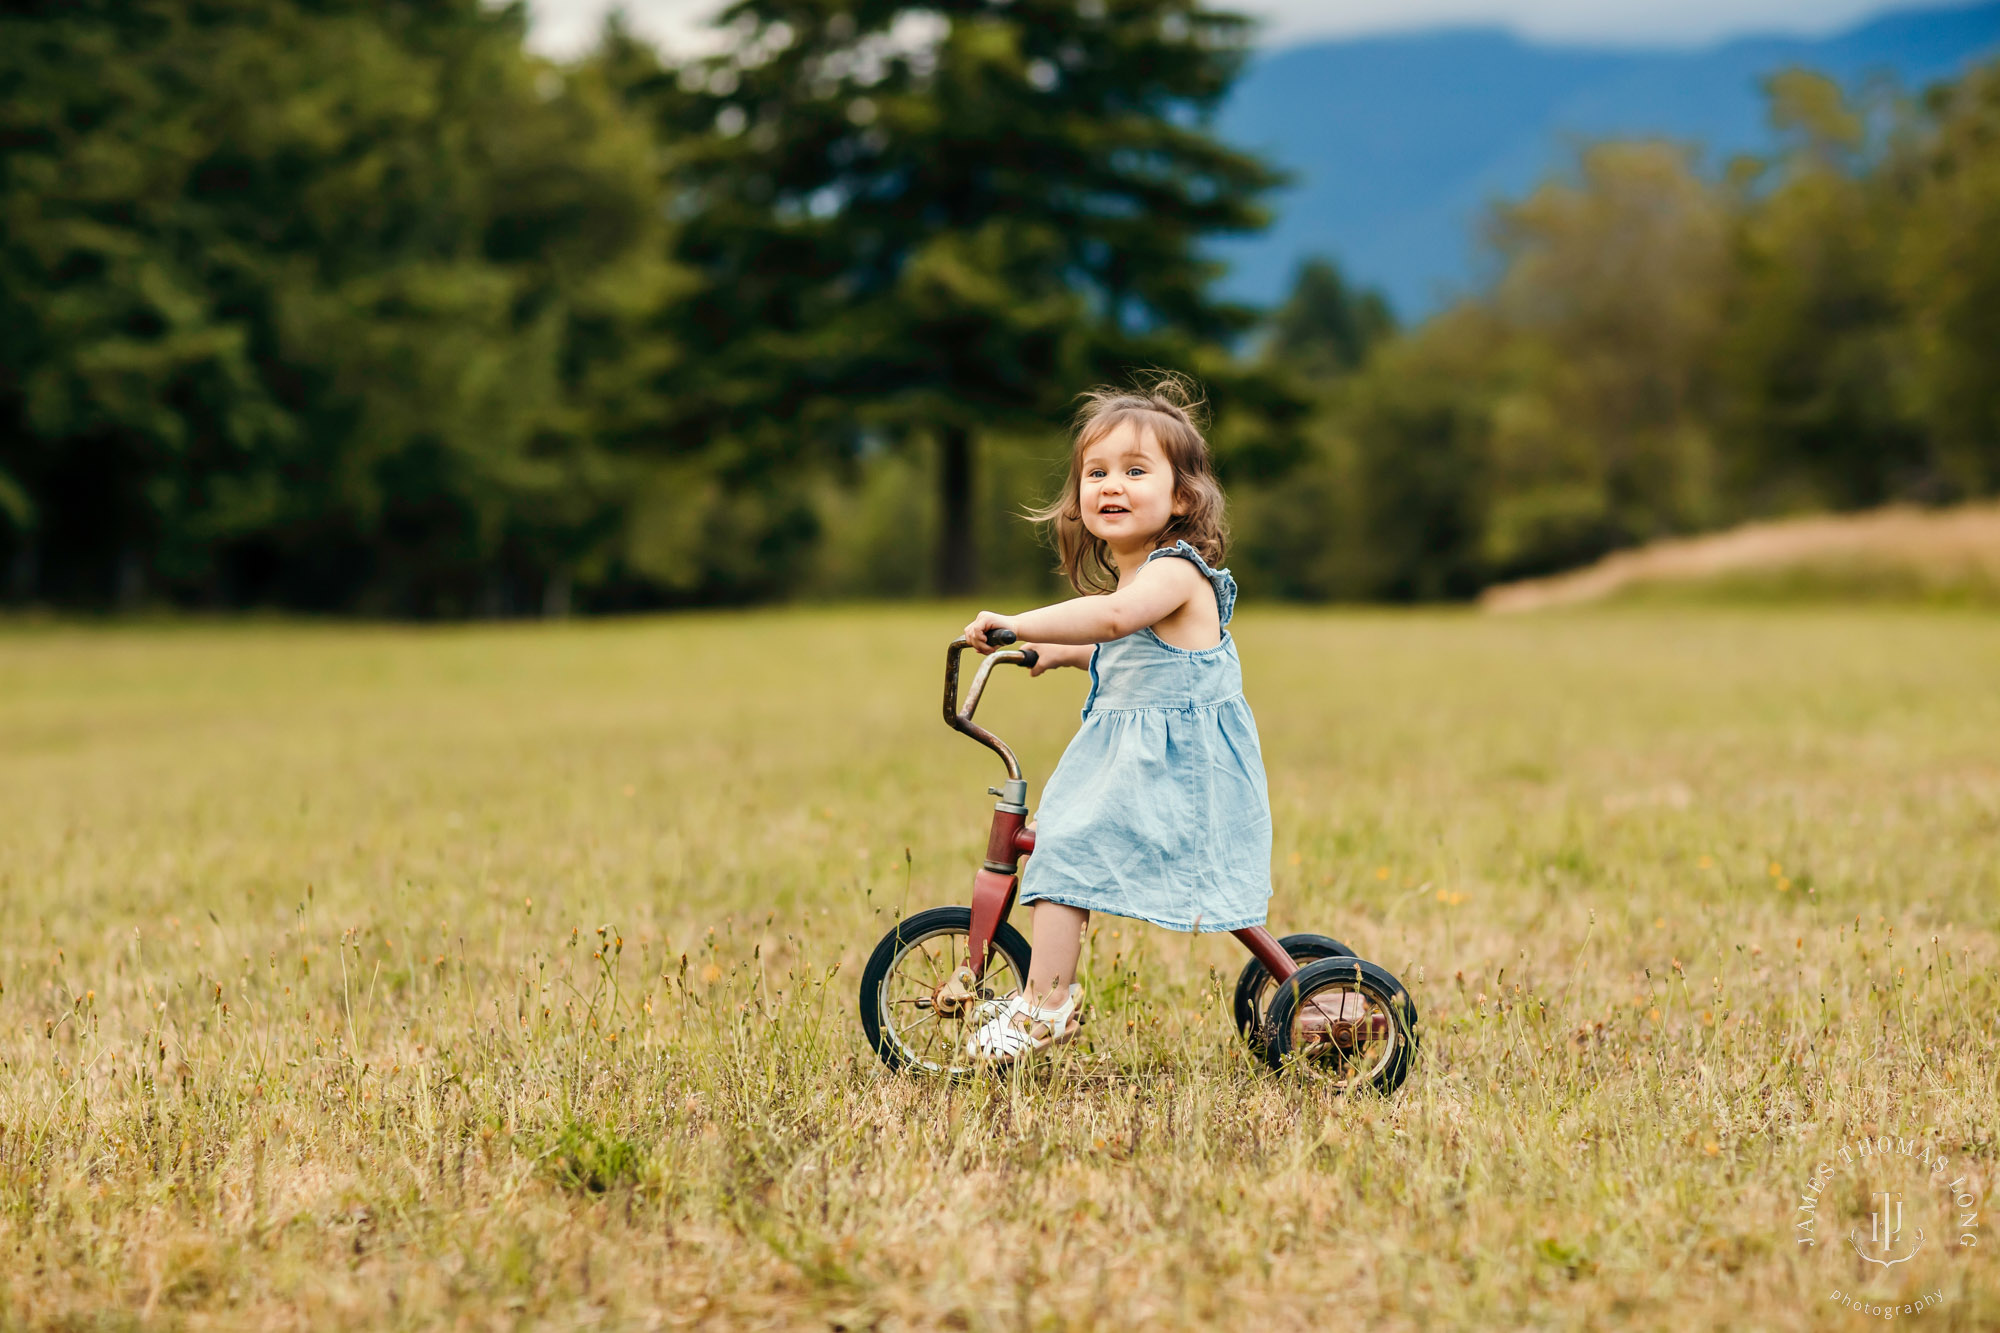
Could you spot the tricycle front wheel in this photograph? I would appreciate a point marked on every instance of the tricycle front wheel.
(911, 1020)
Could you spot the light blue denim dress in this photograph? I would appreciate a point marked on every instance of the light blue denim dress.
(1158, 809)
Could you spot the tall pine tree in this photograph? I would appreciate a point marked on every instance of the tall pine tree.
(1327, 326)
(335, 304)
(934, 221)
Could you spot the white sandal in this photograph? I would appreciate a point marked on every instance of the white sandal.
(1020, 1027)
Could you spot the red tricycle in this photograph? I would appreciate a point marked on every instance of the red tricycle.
(1304, 1002)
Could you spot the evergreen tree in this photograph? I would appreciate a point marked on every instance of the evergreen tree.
(1327, 326)
(1949, 275)
(938, 220)
(329, 305)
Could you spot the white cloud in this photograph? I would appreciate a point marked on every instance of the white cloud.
(564, 27)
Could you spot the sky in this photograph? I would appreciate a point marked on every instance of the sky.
(562, 27)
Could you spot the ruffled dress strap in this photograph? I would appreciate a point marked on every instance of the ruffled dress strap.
(1225, 585)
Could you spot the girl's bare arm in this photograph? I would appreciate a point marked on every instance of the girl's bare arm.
(1155, 591)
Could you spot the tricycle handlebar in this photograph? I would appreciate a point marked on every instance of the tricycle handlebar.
(960, 719)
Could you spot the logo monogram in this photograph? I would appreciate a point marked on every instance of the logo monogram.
(1873, 1166)
(1884, 1225)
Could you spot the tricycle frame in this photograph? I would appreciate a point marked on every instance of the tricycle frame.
(1009, 838)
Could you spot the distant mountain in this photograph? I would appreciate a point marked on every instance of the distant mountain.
(1398, 143)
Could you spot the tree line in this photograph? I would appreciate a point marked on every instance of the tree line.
(363, 307)
(1663, 350)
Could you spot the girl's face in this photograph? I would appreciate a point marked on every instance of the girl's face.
(1126, 489)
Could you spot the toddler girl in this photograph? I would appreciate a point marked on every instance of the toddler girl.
(1158, 809)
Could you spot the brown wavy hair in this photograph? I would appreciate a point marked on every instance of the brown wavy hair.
(1170, 407)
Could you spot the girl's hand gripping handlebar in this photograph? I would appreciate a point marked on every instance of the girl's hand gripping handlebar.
(1004, 638)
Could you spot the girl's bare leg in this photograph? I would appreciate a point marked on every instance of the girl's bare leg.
(1058, 931)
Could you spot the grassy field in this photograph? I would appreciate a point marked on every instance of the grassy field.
(504, 977)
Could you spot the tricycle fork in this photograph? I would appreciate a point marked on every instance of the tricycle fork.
(993, 887)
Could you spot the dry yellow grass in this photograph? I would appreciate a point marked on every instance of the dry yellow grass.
(504, 978)
(1901, 552)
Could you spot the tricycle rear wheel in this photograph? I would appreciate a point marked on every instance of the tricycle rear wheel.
(900, 986)
(1253, 987)
(1346, 1023)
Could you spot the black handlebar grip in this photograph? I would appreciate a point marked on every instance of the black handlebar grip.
(1003, 638)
